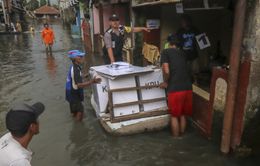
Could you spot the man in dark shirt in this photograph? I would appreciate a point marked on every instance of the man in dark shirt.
(75, 85)
(178, 84)
(186, 35)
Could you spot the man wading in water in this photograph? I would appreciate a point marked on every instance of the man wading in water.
(178, 83)
(75, 84)
(48, 38)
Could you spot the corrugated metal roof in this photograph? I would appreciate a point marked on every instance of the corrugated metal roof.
(46, 10)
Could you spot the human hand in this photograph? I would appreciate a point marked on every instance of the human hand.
(163, 85)
(147, 29)
(96, 80)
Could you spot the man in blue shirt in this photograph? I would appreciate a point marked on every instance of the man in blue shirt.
(75, 84)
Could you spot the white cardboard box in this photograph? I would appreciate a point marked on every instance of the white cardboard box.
(154, 78)
(124, 97)
(100, 92)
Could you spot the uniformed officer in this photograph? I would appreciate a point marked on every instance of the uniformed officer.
(114, 39)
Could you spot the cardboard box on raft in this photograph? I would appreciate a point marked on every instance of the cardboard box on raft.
(154, 78)
(100, 92)
(125, 96)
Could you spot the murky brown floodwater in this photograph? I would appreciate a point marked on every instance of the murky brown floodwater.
(27, 74)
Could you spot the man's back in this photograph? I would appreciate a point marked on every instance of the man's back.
(179, 76)
(12, 153)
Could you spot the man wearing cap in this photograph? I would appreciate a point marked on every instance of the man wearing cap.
(114, 39)
(178, 84)
(48, 38)
(22, 123)
(75, 85)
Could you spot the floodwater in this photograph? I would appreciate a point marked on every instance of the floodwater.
(26, 74)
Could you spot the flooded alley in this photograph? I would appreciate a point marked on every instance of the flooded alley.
(27, 74)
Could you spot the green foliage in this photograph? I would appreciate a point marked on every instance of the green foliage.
(43, 2)
(55, 6)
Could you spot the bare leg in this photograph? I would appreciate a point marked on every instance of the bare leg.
(73, 114)
(175, 127)
(46, 49)
(79, 116)
(50, 49)
(182, 124)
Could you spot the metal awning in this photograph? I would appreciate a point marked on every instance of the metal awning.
(195, 5)
(159, 2)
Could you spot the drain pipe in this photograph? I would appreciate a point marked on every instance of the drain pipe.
(233, 74)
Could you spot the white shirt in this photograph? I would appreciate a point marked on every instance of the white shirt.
(12, 153)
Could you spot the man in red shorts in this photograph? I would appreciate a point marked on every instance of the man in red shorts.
(178, 84)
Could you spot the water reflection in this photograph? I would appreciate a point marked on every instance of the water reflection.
(77, 143)
(51, 66)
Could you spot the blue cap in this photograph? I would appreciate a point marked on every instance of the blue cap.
(75, 53)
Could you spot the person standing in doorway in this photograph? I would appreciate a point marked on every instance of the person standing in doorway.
(114, 39)
(75, 84)
(178, 84)
(18, 26)
(48, 38)
(186, 35)
(86, 33)
(22, 123)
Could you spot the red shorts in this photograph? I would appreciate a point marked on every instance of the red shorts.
(180, 103)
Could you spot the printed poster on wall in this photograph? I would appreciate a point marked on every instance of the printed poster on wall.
(179, 8)
(153, 23)
(203, 41)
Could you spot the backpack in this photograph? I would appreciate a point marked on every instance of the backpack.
(69, 89)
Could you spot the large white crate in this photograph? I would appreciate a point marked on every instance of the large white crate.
(100, 93)
(154, 78)
(125, 96)
(127, 110)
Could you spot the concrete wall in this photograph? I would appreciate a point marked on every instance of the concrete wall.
(252, 45)
(96, 20)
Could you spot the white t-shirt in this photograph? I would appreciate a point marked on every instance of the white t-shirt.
(12, 153)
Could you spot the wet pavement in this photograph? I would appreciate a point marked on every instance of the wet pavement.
(26, 74)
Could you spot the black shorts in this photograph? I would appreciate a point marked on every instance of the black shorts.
(76, 106)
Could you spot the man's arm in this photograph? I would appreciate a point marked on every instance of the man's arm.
(52, 36)
(87, 83)
(111, 55)
(165, 69)
(108, 45)
(166, 75)
(140, 29)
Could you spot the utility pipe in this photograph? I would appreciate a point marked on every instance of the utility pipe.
(132, 22)
(233, 74)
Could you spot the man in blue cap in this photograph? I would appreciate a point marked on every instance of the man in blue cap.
(75, 84)
(22, 123)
